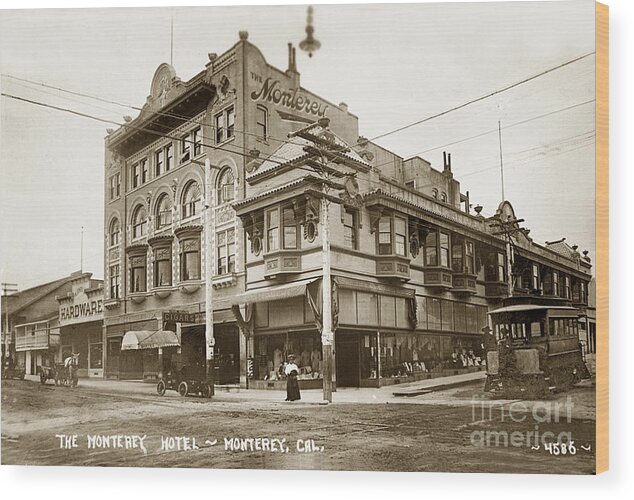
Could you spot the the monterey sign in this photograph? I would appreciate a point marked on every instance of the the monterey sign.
(291, 99)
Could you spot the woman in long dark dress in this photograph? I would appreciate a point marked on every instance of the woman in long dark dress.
(292, 386)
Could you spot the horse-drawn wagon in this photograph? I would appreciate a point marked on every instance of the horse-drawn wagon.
(62, 373)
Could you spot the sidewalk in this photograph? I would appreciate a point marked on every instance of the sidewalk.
(381, 395)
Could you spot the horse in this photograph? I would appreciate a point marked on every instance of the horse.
(70, 370)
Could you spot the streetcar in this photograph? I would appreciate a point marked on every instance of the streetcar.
(537, 350)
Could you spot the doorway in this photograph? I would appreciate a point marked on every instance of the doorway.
(347, 360)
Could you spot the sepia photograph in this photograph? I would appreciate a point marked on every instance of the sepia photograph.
(331, 237)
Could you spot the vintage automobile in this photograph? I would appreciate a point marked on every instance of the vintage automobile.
(188, 379)
(537, 352)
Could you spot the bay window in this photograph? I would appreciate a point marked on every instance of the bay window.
(501, 267)
(272, 230)
(462, 257)
(437, 249)
(400, 236)
(385, 235)
(431, 249)
(289, 223)
(444, 249)
(535, 277)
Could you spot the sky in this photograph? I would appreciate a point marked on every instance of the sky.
(392, 64)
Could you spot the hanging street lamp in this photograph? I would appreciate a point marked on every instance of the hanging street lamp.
(310, 44)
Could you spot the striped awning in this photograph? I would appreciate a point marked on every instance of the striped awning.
(268, 294)
(146, 339)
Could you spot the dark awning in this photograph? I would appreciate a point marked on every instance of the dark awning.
(278, 292)
(145, 339)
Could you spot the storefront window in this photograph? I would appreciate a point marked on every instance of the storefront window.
(272, 351)
(433, 314)
(406, 355)
(95, 351)
(369, 357)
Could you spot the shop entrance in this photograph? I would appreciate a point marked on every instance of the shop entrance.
(347, 359)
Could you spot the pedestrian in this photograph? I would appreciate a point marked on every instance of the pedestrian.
(292, 386)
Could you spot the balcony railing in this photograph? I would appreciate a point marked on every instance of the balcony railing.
(38, 340)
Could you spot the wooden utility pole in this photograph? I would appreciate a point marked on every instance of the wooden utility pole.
(507, 229)
(6, 288)
(326, 332)
(209, 269)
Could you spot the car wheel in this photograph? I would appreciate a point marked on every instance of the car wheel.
(207, 391)
(160, 388)
(183, 388)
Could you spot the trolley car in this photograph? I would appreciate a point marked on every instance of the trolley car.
(538, 350)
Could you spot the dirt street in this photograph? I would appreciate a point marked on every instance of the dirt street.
(455, 430)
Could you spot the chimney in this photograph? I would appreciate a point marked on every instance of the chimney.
(446, 161)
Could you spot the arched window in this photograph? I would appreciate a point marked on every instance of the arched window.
(163, 212)
(443, 197)
(191, 200)
(226, 190)
(114, 232)
(139, 222)
(434, 193)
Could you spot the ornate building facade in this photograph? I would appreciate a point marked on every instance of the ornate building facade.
(414, 270)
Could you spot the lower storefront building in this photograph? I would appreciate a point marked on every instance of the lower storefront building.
(37, 344)
(81, 325)
(383, 334)
(146, 346)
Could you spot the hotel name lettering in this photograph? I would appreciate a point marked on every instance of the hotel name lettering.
(291, 98)
(79, 311)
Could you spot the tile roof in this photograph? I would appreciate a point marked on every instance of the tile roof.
(563, 249)
(294, 150)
